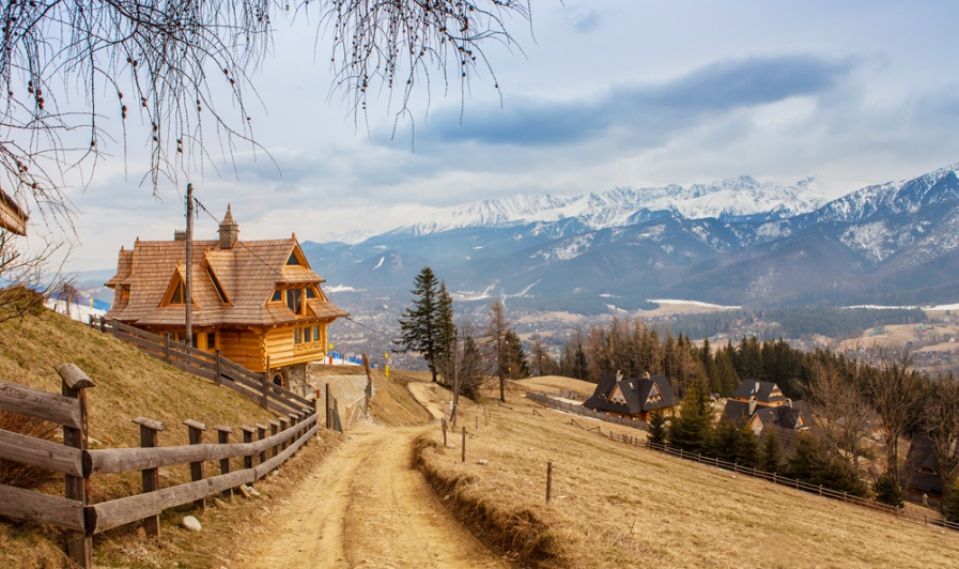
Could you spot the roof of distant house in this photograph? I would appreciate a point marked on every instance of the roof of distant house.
(632, 396)
(761, 390)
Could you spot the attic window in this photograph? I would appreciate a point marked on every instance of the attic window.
(277, 295)
(216, 285)
(310, 293)
(178, 295)
(293, 260)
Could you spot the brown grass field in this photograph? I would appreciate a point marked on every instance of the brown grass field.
(553, 384)
(127, 384)
(620, 506)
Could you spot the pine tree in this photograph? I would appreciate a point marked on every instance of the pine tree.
(724, 441)
(747, 447)
(516, 367)
(471, 368)
(657, 428)
(691, 431)
(770, 456)
(888, 491)
(541, 362)
(950, 503)
(418, 324)
(445, 334)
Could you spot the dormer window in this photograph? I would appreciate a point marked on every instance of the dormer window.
(179, 293)
(310, 293)
(293, 261)
(216, 285)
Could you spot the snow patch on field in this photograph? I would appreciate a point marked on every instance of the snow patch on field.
(695, 303)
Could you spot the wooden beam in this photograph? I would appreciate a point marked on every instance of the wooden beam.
(51, 407)
(38, 508)
(48, 455)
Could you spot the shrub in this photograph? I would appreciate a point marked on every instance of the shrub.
(888, 491)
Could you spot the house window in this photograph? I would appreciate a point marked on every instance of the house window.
(316, 333)
(310, 293)
(297, 336)
(294, 299)
(293, 261)
(178, 294)
(277, 295)
(211, 340)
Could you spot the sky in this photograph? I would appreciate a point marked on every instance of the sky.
(594, 95)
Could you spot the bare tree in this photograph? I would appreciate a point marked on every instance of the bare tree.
(941, 420)
(894, 392)
(185, 68)
(496, 331)
(841, 411)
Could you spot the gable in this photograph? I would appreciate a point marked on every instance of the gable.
(616, 395)
(175, 294)
(655, 395)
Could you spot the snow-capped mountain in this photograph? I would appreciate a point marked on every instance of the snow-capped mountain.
(731, 197)
(735, 242)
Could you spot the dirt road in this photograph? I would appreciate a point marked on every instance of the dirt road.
(365, 506)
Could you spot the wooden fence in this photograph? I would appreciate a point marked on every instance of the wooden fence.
(263, 449)
(214, 367)
(776, 478)
(545, 399)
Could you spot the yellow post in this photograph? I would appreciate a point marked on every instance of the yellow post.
(386, 368)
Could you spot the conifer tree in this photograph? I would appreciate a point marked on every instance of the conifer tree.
(496, 332)
(747, 447)
(471, 368)
(691, 431)
(541, 363)
(418, 324)
(770, 456)
(516, 367)
(888, 491)
(657, 428)
(950, 503)
(445, 334)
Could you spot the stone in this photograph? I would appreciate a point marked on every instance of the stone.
(246, 491)
(482, 462)
(191, 523)
(256, 493)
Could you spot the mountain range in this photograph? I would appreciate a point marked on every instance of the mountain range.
(737, 241)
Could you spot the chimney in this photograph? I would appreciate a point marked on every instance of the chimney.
(229, 230)
(646, 375)
(752, 406)
(179, 235)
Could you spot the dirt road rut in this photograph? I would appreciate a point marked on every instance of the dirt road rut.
(366, 507)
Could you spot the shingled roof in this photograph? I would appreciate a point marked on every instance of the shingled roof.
(247, 273)
(922, 466)
(762, 390)
(632, 396)
(12, 217)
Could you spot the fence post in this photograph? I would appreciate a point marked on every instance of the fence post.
(74, 382)
(775, 478)
(103, 325)
(294, 419)
(327, 412)
(264, 386)
(443, 424)
(90, 318)
(274, 429)
(248, 438)
(150, 476)
(549, 480)
(261, 434)
(169, 341)
(195, 432)
(284, 425)
(218, 378)
(223, 437)
(463, 456)
(820, 489)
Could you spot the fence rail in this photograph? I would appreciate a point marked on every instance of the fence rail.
(212, 366)
(76, 515)
(545, 399)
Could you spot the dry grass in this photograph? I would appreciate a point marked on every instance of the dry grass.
(553, 384)
(128, 384)
(617, 506)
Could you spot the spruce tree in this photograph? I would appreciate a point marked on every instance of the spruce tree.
(471, 368)
(418, 325)
(724, 441)
(657, 428)
(747, 447)
(950, 503)
(888, 491)
(516, 367)
(770, 456)
(691, 431)
(445, 334)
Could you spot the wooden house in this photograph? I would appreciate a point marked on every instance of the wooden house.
(764, 393)
(922, 470)
(258, 302)
(633, 397)
(13, 218)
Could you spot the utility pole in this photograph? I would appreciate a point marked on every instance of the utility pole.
(188, 301)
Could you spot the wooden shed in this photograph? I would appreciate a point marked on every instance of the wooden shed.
(13, 218)
(258, 302)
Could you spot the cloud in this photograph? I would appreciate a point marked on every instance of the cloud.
(646, 114)
(582, 19)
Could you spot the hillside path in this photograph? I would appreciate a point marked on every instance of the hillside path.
(365, 506)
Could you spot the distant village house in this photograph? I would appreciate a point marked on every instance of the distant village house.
(633, 397)
(13, 218)
(763, 406)
(258, 302)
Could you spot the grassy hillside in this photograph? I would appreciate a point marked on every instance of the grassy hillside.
(617, 506)
(128, 384)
